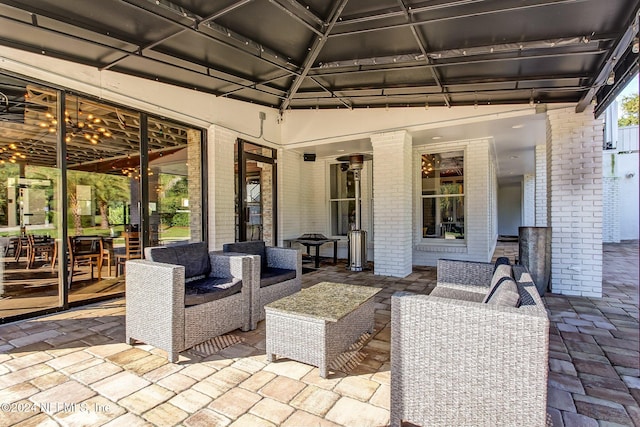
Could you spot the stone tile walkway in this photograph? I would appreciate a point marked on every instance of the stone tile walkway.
(73, 368)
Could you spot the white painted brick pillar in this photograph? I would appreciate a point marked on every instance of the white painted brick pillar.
(529, 200)
(574, 171)
(611, 199)
(221, 186)
(392, 203)
(541, 184)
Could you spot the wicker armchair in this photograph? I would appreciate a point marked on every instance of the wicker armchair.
(181, 296)
(279, 271)
(465, 362)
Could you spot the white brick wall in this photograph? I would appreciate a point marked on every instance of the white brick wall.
(541, 184)
(221, 188)
(480, 188)
(574, 165)
(529, 200)
(611, 205)
(393, 172)
(290, 194)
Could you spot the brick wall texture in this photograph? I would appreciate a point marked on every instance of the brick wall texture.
(574, 171)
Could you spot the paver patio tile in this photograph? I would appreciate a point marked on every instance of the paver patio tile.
(19, 411)
(235, 402)
(383, 376)
(602, 409)
(382, 397)
(92, 412)
(256, 381)
(565, 382)
(631, 382)
(33, 338)
(176, 382)
(18, 392)
(145, 364)
(190, 400)
(357, 387)
(289, 368)
(62, 396)
(107, 350)
(207, 418)
(560, 399)
(26, 361)
(250, 364)
(314, 378)
(198, 371)
(96, 373)
(119, 385)
(250, 420)
(143, 400)
(39, 420)
(237, 351)
(210, 388)
(23, 375)
(578, 420)
(302, 418)
(272, 410)
(165, 415)
(49, 380)
(228, 377)
(85, 364)
(217, 362)
(163, 371)
(351, 412)
(129, 420)
(282, 389)
(69, 359)
(622, 397)
(562, 366)
(315, 400)
(127, 356)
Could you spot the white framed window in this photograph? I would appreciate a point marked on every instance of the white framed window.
(442, 195)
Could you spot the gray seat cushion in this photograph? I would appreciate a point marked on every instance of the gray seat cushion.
(506, 294)
(251, 248)
(193, 256)
(270, 276)
(210, 289)
(501, 272)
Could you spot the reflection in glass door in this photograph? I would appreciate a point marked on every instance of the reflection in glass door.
(29, 199)
(255, 219)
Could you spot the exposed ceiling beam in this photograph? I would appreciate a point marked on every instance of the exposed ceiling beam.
(613, 55)
(422, 45)
(299, 14)
(419, 22)
(314, 50)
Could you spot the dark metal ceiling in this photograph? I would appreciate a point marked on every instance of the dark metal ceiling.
(345, 53)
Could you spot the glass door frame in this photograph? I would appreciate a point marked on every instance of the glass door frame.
(241, 214)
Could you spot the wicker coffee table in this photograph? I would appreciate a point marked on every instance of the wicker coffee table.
(317, 324)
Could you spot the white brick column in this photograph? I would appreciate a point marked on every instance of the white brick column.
(574, 165)
(529, 200)
(221, 186)
(541, 184)
(392, 211)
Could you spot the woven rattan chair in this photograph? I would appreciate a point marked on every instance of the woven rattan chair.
(181, 296)
(464, 362)
(279, 271)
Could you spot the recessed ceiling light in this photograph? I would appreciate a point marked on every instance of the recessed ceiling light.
(436, 137)
(520, 126)
(514, 157)
(340, 151)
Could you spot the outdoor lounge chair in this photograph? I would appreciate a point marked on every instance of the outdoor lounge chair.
(279, 271)
(456, 360)
(183, 295)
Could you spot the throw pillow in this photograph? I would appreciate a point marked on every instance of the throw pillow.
(501, 272)
(506, 294)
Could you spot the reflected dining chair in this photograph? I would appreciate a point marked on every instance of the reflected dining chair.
(40, 246)
(83, 250)
(133, 250)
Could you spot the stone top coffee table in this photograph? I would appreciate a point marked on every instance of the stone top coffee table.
(317, 324)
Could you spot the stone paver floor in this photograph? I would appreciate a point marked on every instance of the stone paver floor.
(73, 368)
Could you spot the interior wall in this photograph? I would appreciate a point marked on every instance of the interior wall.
(509, 208)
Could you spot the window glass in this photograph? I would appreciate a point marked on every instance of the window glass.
(442, 176)
(342, 200)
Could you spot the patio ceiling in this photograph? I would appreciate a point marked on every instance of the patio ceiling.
(345, 53)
